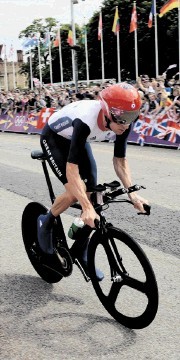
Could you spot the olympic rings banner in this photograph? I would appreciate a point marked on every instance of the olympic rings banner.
(147, 130)
(24, 122)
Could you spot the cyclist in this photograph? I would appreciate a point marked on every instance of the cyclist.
(65, 140)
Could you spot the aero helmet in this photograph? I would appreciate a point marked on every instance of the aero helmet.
(120, 103)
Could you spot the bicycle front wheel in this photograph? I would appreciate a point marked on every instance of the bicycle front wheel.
(129, 289)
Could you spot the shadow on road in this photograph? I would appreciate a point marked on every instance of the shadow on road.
(41, 316)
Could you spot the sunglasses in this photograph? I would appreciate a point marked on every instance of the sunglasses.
(117, 119)
(124, 118)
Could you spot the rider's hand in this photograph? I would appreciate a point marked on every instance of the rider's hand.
(88, 216)
(138, 202)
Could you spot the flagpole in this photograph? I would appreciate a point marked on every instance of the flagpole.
(118, 57)
(31, 74)
(74, 55)
(136, 48)
(102, 52)
(11, 55)
(118, 51)
(156, 40)
(5, 69)
(14, 75)
(86, 52)
(39, 55)
(179, 33)
(74, 40)
(50, 59)
(60, 56)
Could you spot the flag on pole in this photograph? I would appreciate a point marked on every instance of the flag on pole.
(56, 41)
(116, 24)
(171, 4)
(70, 38)
(133, 24)
(30, 42)
(150, 21)
(100, 26)
(83, 35)
(46, 40)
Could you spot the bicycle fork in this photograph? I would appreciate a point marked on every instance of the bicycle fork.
(118, 270)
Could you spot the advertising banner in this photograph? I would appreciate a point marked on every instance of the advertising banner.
(164, 130)
(30, 123)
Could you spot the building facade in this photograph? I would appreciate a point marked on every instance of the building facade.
(10, 78)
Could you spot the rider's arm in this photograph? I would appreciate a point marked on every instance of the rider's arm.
(122, 169)
(75, 185)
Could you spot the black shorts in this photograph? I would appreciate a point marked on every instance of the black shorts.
(57, 148)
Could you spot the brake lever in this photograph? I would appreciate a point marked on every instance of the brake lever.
(147, 208)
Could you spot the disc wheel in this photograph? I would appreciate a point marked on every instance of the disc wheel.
(42, 263)
(129, 289)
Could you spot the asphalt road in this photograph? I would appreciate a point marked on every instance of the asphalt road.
(66, 320)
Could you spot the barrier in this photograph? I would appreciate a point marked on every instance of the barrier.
(24, 122)
(147, 130)
(164, 130)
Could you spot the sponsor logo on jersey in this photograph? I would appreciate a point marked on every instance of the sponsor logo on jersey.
(58, 171)
(61, 124)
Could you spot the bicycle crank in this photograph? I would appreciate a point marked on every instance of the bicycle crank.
(64, 260)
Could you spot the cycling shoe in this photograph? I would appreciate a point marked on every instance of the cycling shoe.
(44, 234)
(99, 273)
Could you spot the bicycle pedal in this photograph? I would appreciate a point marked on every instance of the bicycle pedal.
(116, 278)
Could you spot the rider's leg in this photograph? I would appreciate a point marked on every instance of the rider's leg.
(88, 172)
(56, 149)
(84, 261)
(45, 222)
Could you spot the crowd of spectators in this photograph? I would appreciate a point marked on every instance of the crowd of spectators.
(158, 96)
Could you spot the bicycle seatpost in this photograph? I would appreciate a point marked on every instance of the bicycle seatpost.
(48, 181)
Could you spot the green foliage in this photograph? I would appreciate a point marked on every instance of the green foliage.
(167, 43)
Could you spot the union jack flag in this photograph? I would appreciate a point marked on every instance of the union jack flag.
(160, 128)
(173, 131)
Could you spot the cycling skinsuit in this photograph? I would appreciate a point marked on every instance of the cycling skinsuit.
(66, 137)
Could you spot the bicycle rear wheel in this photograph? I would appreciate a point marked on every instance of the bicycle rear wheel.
(129, 289)
(41, 263)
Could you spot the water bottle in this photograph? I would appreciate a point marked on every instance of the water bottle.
(77, 224)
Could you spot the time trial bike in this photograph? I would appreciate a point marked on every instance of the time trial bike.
(129, 290)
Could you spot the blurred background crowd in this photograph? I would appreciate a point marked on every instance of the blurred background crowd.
(158, 96)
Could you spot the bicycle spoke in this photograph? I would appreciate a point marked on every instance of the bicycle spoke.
(114, 291)
(135, 284)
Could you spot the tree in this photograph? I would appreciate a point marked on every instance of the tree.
(41, 27)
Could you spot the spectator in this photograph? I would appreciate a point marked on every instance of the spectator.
(152, 106)
(164, 103)
(31, 102)
(17, 104)
(39, 103)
